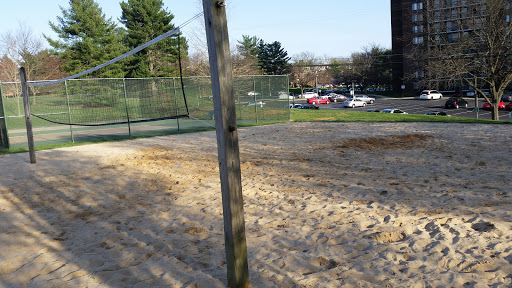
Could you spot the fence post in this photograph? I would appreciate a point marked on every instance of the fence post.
(69, 112)
(254, 92)
(176, 102)
(4, 134)
(28, 117)
(127, 112)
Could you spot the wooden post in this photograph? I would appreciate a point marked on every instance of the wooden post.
(227, 142)
(28, 117)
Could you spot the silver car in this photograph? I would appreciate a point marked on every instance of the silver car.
(354, 102)
(366, 99)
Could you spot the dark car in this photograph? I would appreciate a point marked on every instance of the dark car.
(436, 113)
(456, 102)
(333, 97)
(506, 98)
(307, 106)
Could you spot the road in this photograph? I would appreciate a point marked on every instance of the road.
(415, 106)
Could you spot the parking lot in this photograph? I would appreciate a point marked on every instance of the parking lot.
(417, 106)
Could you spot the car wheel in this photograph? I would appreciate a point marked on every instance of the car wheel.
(466, 105)
(353, 105)
(371, 101)
(328, 102)
(364, 104)
(314, 103)
(456, 106)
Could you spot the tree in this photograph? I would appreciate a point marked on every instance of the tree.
(476, 53)
(304, 70)
(340, 72)
(145, 20)
(273, 59)
(87, 39)
(248, 47)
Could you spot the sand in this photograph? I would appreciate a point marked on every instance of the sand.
(326, 205)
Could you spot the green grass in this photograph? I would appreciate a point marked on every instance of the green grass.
(356, 116)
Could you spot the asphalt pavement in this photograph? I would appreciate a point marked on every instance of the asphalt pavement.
(413, 105)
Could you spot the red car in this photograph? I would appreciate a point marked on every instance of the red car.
(487, 106)
(318, 101)
(508, 107)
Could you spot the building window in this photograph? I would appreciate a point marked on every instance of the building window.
(419, 74)
(417, 40)
(417, 29)
(449, 26)
(417, 17)
(452, 37)
(417, 6)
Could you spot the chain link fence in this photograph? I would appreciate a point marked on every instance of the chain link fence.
(89, 110)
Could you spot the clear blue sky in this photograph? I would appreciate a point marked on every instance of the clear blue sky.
(332, 28)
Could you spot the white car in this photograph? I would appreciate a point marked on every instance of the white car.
(396, 111)
(430, 94)
(259, 103)
(354, 102)
(368, 100)
(253, 93)
(309, 95)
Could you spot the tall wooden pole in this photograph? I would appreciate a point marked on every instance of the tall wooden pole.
(28, 117)
(227, 142)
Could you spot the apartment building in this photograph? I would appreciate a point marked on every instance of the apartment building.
(419, 25)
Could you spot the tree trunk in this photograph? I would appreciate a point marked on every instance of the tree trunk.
(495, 115)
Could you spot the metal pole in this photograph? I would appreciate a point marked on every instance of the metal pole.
(69, 112)
(127, 112)
(176, 102)
(28, 117)
(4, 133)
(254, 90)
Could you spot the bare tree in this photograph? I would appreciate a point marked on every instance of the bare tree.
(304, 70)
(476, 49)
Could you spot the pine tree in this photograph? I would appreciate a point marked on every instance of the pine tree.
(87, 39)
(273, 59)
(248, 47)
(145, 20)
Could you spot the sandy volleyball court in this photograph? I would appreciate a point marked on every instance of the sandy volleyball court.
(326, 205)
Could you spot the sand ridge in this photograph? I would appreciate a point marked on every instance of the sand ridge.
(326, 205)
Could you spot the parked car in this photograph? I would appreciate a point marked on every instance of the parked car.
(396, 111)
(372, 110)
(487, 106)
(307, 106)
(309, 95)
(259, 103)
(354, 102)
(295, 106)
(337, 97)
(368, 100)
(508, 107)
(436, 113)
(430, 94)
(506, 98)
(455, 102)
(318, 100)
(253, 93)
(285, 95)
